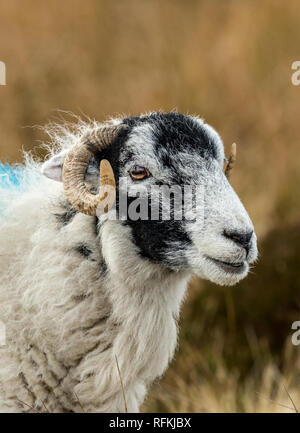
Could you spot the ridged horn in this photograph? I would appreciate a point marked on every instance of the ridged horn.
(231, 160)
(75, 167)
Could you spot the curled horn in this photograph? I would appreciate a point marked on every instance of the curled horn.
(75, 166)
(231, 160)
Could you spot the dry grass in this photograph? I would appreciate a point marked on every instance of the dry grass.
(122, 386)
(195, 385)
(230, 62)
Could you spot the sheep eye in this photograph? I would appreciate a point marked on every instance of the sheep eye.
(139, 173)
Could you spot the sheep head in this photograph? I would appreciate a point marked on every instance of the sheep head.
(156, 159)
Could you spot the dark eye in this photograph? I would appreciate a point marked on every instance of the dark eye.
(139, 173)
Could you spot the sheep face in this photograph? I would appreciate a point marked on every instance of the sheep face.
(210, 235)
(173, 198)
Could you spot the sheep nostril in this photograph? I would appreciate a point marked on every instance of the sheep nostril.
(242, 239)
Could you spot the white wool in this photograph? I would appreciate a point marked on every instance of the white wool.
(65, 321)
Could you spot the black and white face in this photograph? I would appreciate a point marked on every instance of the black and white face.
(211, 235)
(218, 243)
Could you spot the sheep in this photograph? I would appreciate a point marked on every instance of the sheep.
(83, 290)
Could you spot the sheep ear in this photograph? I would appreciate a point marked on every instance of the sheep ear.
(54, 166)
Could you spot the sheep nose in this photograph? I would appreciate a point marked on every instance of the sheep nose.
(242, 239)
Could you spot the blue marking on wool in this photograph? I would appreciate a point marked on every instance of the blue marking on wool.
(10, 176)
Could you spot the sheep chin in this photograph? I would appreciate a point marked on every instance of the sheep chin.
(221, 275)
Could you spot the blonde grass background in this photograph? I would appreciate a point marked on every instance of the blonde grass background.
(229, 62)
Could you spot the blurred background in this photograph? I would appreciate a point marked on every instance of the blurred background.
(229, 62)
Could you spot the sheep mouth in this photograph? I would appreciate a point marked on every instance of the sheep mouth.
(236, 268)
